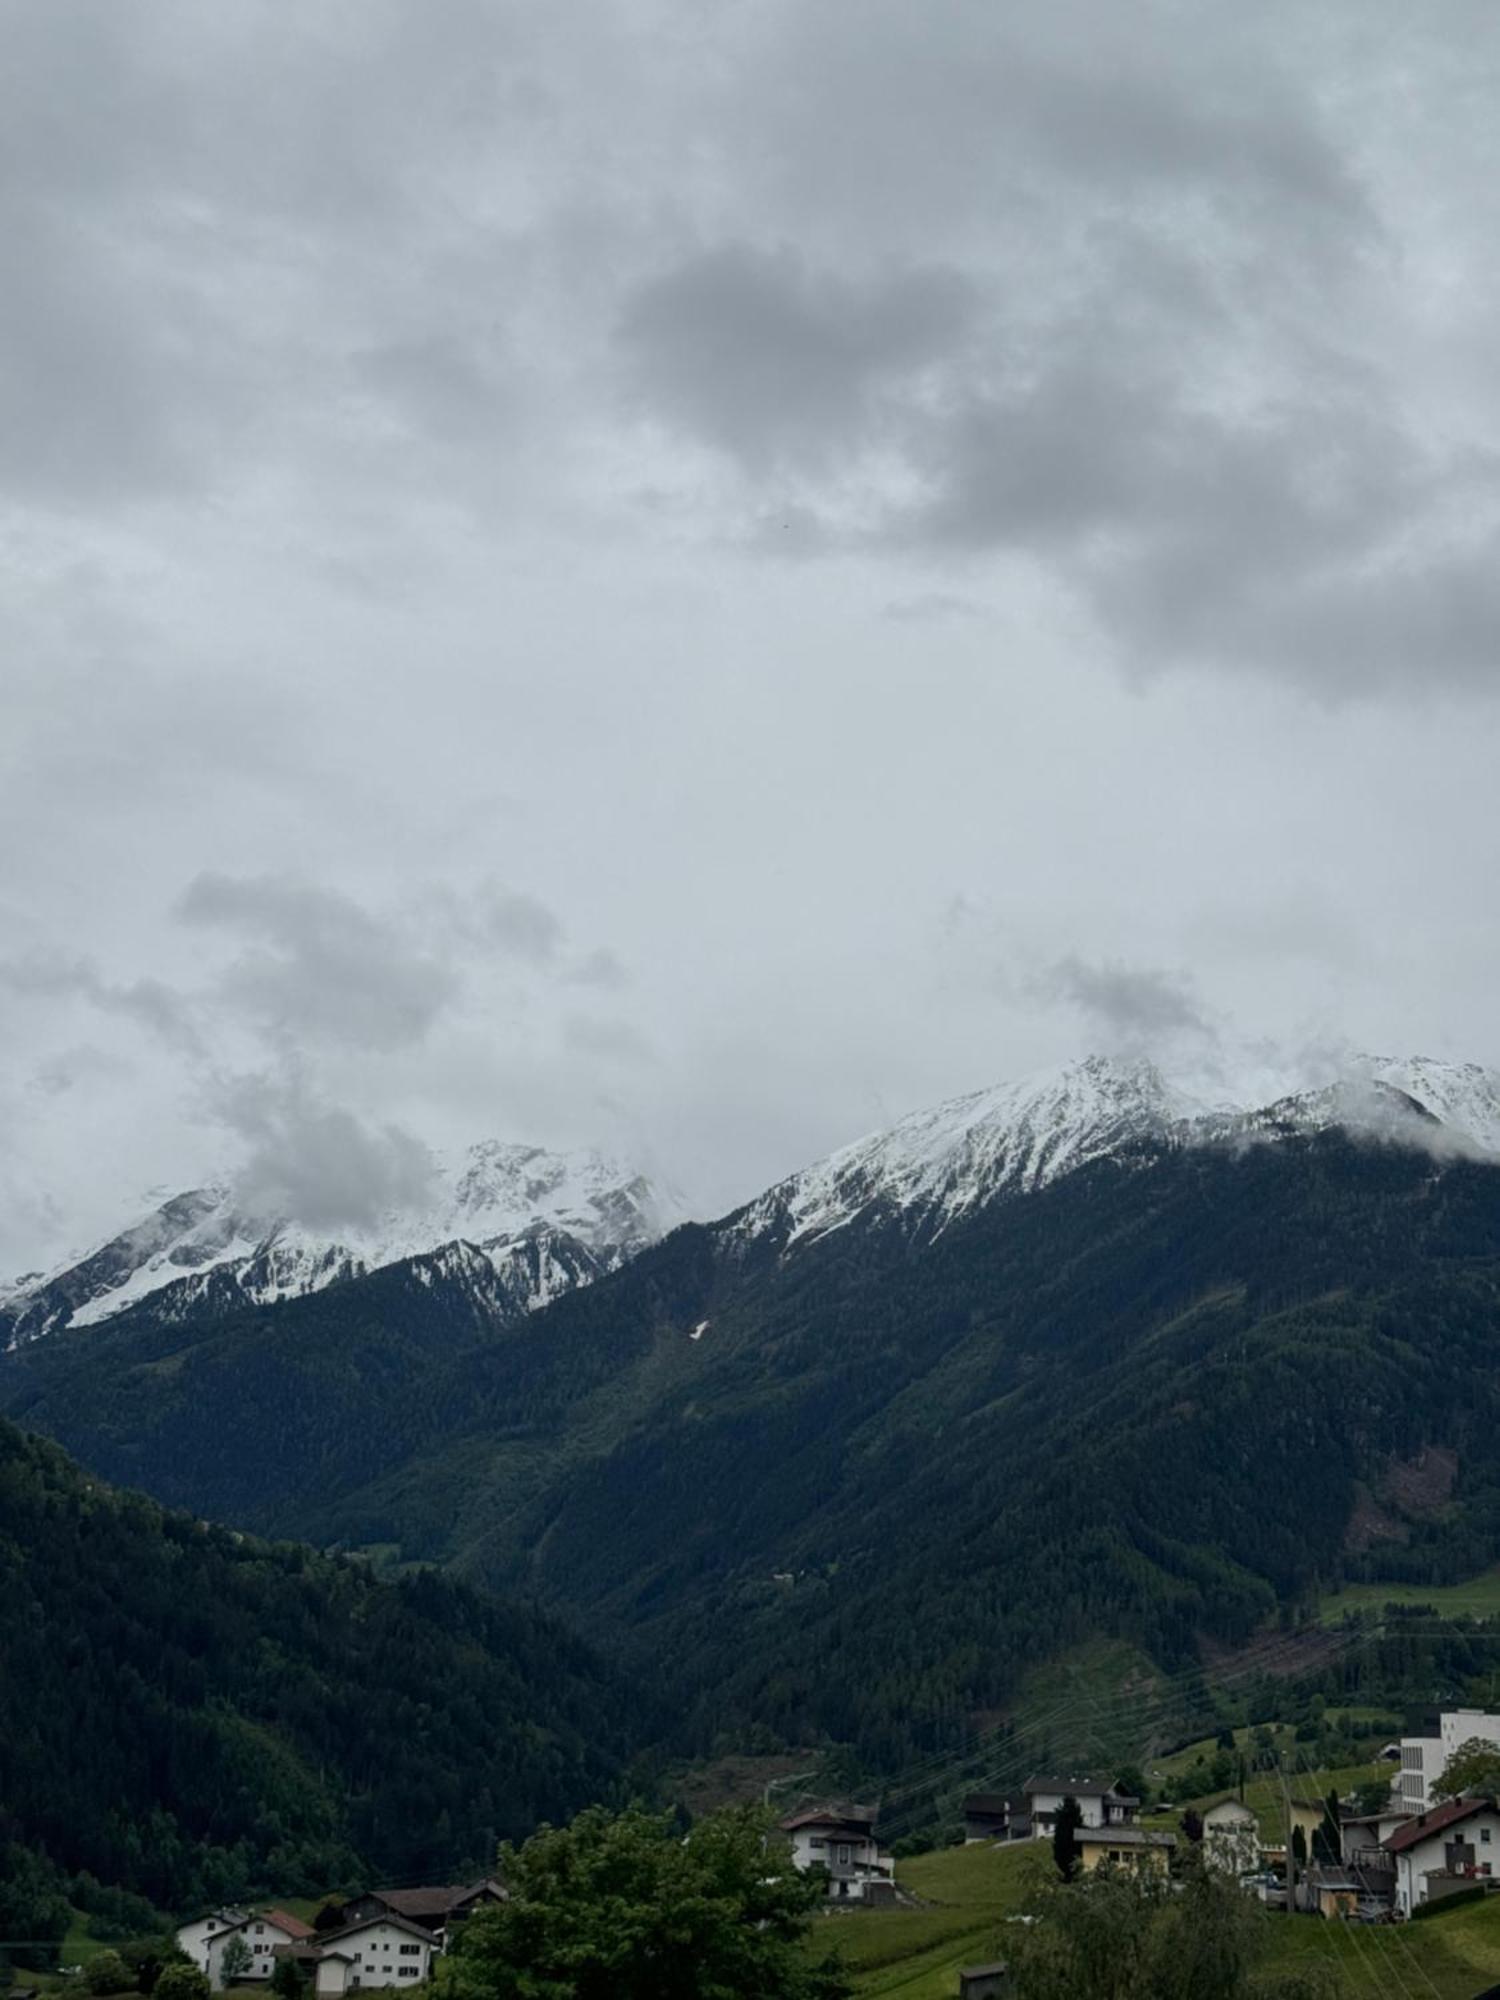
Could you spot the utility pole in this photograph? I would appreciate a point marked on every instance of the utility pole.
(1291, 1858)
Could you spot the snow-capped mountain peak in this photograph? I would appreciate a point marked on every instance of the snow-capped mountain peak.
(1013, 1139)
(545, 1221)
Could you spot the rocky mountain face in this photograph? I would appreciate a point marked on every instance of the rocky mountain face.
(542, 1222)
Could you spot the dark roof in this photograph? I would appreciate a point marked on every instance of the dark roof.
(443, 1897)
(842, 1816)
(1129, 1836)
(366, 1923)
(1078, 1788)
(986, 1802)
(1441, 1817)
(990, 1971)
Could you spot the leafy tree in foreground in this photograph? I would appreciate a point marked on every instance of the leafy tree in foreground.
(623, 1907)
(1473, 1767)
(107, 1972)
(180, 1981)
(1129, 1934)
(1065, 1838)
(286, 1979)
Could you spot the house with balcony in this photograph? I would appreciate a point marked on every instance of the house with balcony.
(1099, 1805)
(1455, 1846)
(841, 1838)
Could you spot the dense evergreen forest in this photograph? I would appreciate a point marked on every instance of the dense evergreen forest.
(1165, 1398)
(188, 1714)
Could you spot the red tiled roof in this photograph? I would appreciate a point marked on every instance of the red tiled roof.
(293, 1926)
(1441, 1817)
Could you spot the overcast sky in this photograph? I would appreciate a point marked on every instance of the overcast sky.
(696, 577)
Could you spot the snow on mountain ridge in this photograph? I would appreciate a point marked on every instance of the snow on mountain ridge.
(938, 1164)
(546, 1221)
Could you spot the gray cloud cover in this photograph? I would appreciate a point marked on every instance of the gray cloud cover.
(542, 550)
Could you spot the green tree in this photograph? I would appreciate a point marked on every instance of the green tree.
(180, 1981)
(1129, 1934)
(1065, 1838)
(236, 1961)
(1473, 1767)
(1132, 1781)
(32, 1906)
(1372, 1797)
(107, 1972)
(624, 1907)
(286, 1978)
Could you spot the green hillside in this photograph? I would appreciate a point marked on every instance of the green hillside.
(1163, 1402)
(968, 1893)
(188, 1714)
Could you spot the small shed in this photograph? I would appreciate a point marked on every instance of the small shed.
(983, 1982)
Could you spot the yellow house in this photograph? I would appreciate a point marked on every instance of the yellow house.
(1125, 1846)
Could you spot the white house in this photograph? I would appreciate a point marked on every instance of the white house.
(1099, 1805)
(1423, 1757)
(376, 1951)
(193, 1938)
(207, 1939)
(1231, 1837)
(1452, 1847)
(842, 1840)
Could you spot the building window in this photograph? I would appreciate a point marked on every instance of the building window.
(411, 1950)
(407, 1971)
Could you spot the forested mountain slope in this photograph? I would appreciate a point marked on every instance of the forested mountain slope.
(1051, 1362)
(191, 1714)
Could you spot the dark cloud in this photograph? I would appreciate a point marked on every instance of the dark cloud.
(146, 1003)
(517, 925)
(1130, 1006)
(320, 966)
(779, 363)
(305, 1160)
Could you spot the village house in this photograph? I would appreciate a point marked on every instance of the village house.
(841, 1838)
(206, 1941)
(1439, 1852)
(989, 1816)
(1423, 1758)
(1100, 1805)
(1126, 1847)
(193, 1938)
(377, 1951)
(438, 1910)
(1231, 1837)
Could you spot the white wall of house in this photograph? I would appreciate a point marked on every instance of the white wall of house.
(385, 1954)
(1481, 1832)
(331, 1974)
(193, 1938)
(1045, 1806)
(1231, 1837)
(261, 1938)
(852, 1860)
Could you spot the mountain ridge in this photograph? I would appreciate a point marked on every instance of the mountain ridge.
(546, 1221)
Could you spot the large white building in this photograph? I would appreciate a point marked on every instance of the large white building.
(1423, 1758)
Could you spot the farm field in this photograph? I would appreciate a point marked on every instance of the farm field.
(969, 1892)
